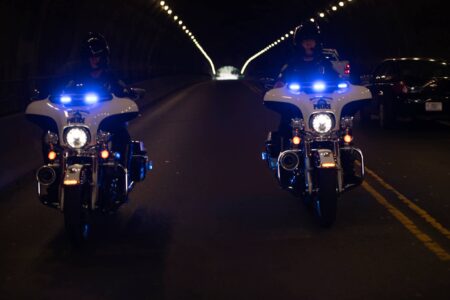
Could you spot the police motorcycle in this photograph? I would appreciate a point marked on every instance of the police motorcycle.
(83, 175)
(318, 162)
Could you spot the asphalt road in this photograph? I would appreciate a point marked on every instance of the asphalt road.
(211, 223)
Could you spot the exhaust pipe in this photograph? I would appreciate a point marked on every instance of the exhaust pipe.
(46, 175)
(289, 160)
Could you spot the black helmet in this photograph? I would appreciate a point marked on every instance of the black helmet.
(95, 45)
(307, 31)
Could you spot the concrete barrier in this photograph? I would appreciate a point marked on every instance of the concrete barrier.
(20, 151)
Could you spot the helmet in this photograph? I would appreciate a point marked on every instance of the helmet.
(95, 44)
(307, 31)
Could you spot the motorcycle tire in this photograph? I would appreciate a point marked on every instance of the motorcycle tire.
(76, 215)
(326, 198)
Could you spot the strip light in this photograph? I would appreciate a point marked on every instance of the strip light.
(322, 14)
(184, 28)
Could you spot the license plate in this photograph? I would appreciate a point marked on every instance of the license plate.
(433, 106)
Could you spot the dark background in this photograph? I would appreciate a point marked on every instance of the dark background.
(40, 36)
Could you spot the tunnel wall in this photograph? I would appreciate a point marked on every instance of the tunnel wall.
(39, 37)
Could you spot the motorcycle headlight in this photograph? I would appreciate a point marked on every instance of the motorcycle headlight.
(322, 123)
(76, 137)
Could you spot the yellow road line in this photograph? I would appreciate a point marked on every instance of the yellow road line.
(405, 221)
(421, 212)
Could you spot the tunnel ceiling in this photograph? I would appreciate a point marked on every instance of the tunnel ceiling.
(40, 35)
(233, 30)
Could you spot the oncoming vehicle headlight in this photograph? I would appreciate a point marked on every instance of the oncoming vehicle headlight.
(76, 137)
(322, 123)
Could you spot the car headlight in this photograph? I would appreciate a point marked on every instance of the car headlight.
(77, 137)
(322, 123)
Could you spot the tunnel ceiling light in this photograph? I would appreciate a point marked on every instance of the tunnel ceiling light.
(169, 11)
(321, 14)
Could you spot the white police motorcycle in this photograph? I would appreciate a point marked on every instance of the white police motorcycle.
(82, 173)
(317, 161)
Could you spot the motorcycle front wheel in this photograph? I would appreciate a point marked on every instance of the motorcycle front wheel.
(326, 198)
(76, 214)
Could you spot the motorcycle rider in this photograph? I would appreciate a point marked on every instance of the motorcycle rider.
(94, 71)
(307, 64)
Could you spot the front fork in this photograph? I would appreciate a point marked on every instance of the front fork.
(316, 159)
(79, 174)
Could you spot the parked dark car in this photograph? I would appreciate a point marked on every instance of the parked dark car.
(409, 88)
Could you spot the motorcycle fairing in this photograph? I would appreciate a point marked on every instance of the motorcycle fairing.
(318, 102)
(91, 115)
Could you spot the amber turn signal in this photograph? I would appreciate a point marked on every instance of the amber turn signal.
(104, 154)
(296, 140)
(348, 138)
(52, 155)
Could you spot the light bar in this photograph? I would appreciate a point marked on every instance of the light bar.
(322, 14)
(176, 18)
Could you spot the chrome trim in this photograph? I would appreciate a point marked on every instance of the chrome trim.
(359, 151)
(128, 186)
(297, 123)
(347, 122)
(51, 138)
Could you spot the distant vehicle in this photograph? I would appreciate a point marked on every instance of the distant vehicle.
(413, 88)
(341, 66)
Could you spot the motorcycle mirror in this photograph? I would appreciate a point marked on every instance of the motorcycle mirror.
(36, 94)
(138, 93)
